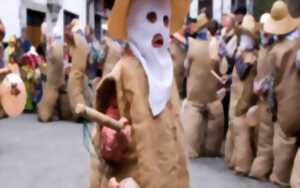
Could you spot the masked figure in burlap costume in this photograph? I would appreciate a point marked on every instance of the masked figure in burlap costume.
(262, 114)
(238, 148)
(78, 88)
(142, 90)
(202, 112)
(286, 90)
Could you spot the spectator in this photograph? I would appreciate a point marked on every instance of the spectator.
(239, 14)
(10, 49)
(25, 43)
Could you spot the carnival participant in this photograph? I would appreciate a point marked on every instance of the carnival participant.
(202, 111)
(78, 89)
(263, 162)
(242, 98)
(142, 92)
(283, 57)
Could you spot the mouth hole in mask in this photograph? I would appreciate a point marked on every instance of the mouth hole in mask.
(166, 21)
(158, 41)
(152, 17)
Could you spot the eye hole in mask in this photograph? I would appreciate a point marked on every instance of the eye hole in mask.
(152, 17)
(166, 21)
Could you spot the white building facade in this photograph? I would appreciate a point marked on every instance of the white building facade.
(18, 14)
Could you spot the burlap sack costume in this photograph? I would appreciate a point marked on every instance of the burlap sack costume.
(178, 55)
(287, 79)
(263, 162)
(239, 150)
(202, 112)
(287, 92)
(295, 178)
(77, 87)
(145, 162)
(48, 106)
(156, 157)
(113, 54)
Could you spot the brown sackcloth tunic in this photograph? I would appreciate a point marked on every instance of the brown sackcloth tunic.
(263, 162)
(287, 90)
(178, 55)
(77, 87)
(112, 55)
(202, 112)
(238, 146)
(156, 158)
(47, 108)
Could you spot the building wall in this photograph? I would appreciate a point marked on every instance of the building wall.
(9, 14)
(14, 16)
(221, 7)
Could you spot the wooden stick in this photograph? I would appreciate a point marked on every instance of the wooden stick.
(217, 76)
(98, 117)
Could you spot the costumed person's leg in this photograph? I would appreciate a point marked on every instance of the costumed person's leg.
(263, 163)
(64, 107)
(194, 128)
(243, 151)
(229, 147)
(284, 149)
(215, 129)
(295, 177)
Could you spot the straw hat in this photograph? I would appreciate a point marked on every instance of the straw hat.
(202, 21)
(281, 21)
(265, 18)
(248, 27)
(12, 39)
(117, 24)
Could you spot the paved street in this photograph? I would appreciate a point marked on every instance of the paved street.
(34, 155)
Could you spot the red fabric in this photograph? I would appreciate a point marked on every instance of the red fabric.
(31, 59)
(113, 144)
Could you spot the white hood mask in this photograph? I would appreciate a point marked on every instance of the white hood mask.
(147, 19)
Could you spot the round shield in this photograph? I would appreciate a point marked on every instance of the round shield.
(13, 95)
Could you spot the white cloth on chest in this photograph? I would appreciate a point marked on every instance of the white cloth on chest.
(246, 42)
(157, 62)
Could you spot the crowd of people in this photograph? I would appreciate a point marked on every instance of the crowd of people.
(244, 78)
(236, 86)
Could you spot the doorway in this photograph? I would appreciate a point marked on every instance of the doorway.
(34, 22)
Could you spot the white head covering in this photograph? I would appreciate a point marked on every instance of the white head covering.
(156, 62)
(246, 42)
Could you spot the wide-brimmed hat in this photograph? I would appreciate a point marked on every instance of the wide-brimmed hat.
(117, 24)
(12, 39)
(202, 21)
(281, 21)
(249, 27)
